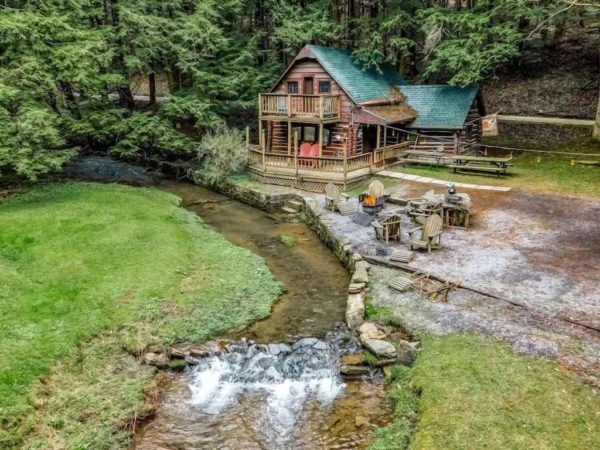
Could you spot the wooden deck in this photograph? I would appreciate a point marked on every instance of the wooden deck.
(324, 169)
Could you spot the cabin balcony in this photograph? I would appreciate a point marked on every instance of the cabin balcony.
(301, 108)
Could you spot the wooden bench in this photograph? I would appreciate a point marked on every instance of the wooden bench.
(484, 164)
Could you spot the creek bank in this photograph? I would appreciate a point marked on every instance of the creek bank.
(398, 351)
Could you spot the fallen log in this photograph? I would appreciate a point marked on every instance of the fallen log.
(394, 265)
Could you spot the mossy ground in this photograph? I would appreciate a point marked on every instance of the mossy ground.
(91, 274)
(476, 392)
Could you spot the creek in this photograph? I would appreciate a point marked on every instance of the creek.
(276, 384)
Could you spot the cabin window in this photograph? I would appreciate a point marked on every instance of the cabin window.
(326, 136)
(292, 87)
(324, 87)
(310, 134)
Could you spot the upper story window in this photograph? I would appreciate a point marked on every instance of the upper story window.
(292, 87)
(324, 87)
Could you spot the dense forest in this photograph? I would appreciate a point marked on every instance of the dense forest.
(67, 66)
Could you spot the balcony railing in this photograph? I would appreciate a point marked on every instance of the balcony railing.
(300, 106)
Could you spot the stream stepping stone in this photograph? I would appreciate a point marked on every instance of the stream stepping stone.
(352, 360)
(305, 342)
(369, 331)
(381, 348)
(354, 370)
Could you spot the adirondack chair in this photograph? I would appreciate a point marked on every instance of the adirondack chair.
(376, 188)
(419, 209)
(431, 234)
(332, 200)
(390, 228)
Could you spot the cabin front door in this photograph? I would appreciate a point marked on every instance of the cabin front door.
(308, 86)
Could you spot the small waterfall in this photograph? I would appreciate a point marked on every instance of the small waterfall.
(286, 376)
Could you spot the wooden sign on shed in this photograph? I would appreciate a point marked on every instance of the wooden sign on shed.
(489, 125)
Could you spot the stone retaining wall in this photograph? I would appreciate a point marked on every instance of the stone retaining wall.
(260, 200)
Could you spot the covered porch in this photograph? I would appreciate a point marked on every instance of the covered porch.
(285, 157)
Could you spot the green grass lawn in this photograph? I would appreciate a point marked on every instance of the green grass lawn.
(476, 393)
(553, 173)
(81, 259)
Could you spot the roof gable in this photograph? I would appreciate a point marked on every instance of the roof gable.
(360, 85)
(439, 106)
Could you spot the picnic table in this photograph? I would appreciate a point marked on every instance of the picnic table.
(481, 164)
(416, 155)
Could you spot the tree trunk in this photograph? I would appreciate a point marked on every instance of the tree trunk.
(152, 86)
(596, 132)
(126, 98)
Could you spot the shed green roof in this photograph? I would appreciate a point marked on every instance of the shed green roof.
(439, 106)
(361, 85)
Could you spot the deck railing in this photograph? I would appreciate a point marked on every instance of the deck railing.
(389, 152)
(312, 163)
(303, 106)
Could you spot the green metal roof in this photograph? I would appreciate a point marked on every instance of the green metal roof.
(361, 85)
(439, 106)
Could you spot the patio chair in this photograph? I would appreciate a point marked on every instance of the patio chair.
(389, 228)
(332, 200)
(431, 234)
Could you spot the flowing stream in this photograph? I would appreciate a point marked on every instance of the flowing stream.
(275, 385)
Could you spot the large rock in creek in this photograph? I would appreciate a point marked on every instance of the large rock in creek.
(406, 353)
(381, 348)
(355, 310)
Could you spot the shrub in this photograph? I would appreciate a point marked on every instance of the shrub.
(222, 153)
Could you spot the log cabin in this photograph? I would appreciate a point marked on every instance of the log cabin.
(329, 120)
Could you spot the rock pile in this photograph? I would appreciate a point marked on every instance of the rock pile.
(382, 351)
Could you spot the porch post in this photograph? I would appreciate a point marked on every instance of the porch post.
(384, 136)
(455, 144)
(248, 137)
(264, 148)
(320, 139)
(321, 106)
(378, 136)
(345, 167)
(289, 137)
(296, 152)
